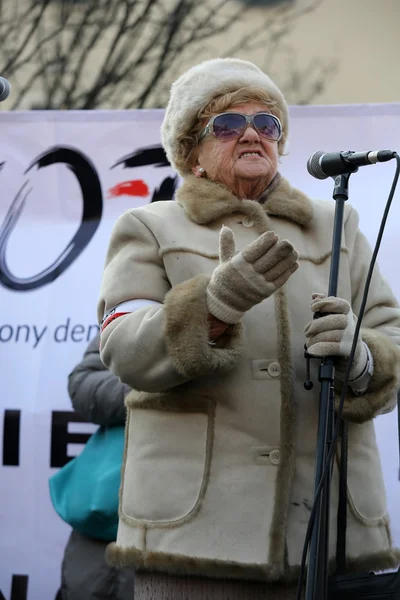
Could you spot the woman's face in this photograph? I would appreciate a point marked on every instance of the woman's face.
(243, 165)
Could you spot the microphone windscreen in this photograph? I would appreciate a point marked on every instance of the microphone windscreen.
(314, 167)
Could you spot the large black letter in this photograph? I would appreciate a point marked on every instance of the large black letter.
(152, 155)
(60, 437)
(19, 588)
(89, 182)
(11, 436)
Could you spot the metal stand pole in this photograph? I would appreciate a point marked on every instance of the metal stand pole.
(317, 575)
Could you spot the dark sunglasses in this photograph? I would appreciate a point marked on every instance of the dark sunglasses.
(231, 125)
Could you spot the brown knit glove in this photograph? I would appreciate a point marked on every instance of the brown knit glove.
(245, 279)
(332, 334)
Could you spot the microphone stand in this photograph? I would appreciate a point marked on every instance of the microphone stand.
(317, 574)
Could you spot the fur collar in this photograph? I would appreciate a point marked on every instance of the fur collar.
(205, 201)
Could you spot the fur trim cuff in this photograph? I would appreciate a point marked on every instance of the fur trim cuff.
(381, 395)
(186, 332)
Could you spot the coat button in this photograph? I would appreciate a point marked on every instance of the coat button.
(247, 222)
(274, 369)
(275, 457)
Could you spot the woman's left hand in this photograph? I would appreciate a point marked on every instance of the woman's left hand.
(332, 334)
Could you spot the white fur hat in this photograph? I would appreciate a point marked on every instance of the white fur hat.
(193, 90)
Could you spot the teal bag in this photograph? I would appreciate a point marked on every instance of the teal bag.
(85, 491)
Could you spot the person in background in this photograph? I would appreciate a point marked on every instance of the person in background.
(98, 396)
(206, 304)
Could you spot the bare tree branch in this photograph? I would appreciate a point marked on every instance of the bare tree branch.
(125, 53)
(107, 69)
(31, 29)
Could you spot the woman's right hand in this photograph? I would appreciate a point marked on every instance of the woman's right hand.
(247, 278)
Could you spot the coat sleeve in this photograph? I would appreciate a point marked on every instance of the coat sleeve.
(96, 394)
(380, 329)
(163, 344)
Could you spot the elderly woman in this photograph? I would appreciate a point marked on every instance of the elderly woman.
(203, 303)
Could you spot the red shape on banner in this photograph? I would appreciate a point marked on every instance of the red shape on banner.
(135, 187)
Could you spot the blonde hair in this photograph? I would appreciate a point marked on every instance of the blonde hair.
(188, 141)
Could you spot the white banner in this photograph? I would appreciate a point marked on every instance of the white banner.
(65, 177)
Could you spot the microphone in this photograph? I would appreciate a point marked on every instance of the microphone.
(330, 164)
(5, 88)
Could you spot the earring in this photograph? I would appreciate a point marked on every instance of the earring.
(200, 170)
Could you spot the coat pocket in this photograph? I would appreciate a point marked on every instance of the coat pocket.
(365, 485)
(167, 460)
